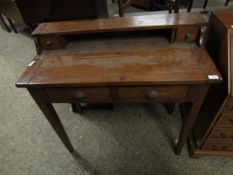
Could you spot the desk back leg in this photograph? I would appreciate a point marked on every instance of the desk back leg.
(47, 108)
(197, 95)
(169, 107)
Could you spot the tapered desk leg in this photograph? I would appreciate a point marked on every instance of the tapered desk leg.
(51, 115)
(169, 107)
(197, 93)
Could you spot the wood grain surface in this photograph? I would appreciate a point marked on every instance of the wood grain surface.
(129, 23)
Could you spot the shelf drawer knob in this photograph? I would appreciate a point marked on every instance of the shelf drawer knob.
(187, 36)
(79, 95)
(152, 94)
(48, 43)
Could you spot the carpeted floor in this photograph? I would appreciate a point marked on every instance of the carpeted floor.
(130, 140)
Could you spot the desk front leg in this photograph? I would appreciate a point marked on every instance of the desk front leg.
(47, 108)
(197, 95)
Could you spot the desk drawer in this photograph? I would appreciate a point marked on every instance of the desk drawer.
(222, 133)
(150, 93)
(83, 94)
(218, 146)
(226, 119)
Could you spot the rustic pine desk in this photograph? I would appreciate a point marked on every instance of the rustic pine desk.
(119, 60)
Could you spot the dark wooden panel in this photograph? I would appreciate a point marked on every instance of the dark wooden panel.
(35, 11)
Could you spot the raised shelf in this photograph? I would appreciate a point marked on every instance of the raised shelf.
(129, 23)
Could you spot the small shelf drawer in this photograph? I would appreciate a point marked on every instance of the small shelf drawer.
(51, 42)
(226, 119)
(82, 94)
(153, 93)
(221, 133)
(218, 146)
(189, 34)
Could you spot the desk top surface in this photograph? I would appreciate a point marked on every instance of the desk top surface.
(121, 61)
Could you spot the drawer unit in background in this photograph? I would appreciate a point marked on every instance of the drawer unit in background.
(221, 133)
(213, 131)
(218, 146)
(229, 105)
(225, 120)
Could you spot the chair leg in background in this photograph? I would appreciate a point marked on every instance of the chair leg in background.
(3, 24)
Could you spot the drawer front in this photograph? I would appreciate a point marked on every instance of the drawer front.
(225, 120)
(222, 133)
(52, 42)
(229, 106)
(83, 94)
(189, 34)
(150, 93)
(218, 146)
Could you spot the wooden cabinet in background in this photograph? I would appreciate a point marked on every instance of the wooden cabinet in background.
(33, 12)
(147, 4)
(213, 132)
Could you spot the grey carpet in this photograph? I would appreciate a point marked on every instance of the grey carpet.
(131, 140)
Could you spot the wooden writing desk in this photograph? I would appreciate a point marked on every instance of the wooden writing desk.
(102, 69)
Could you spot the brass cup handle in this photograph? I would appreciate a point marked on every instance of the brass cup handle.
(214, 147)
(223, 135)
(152, 94)
(224, 148)
(79, 96)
